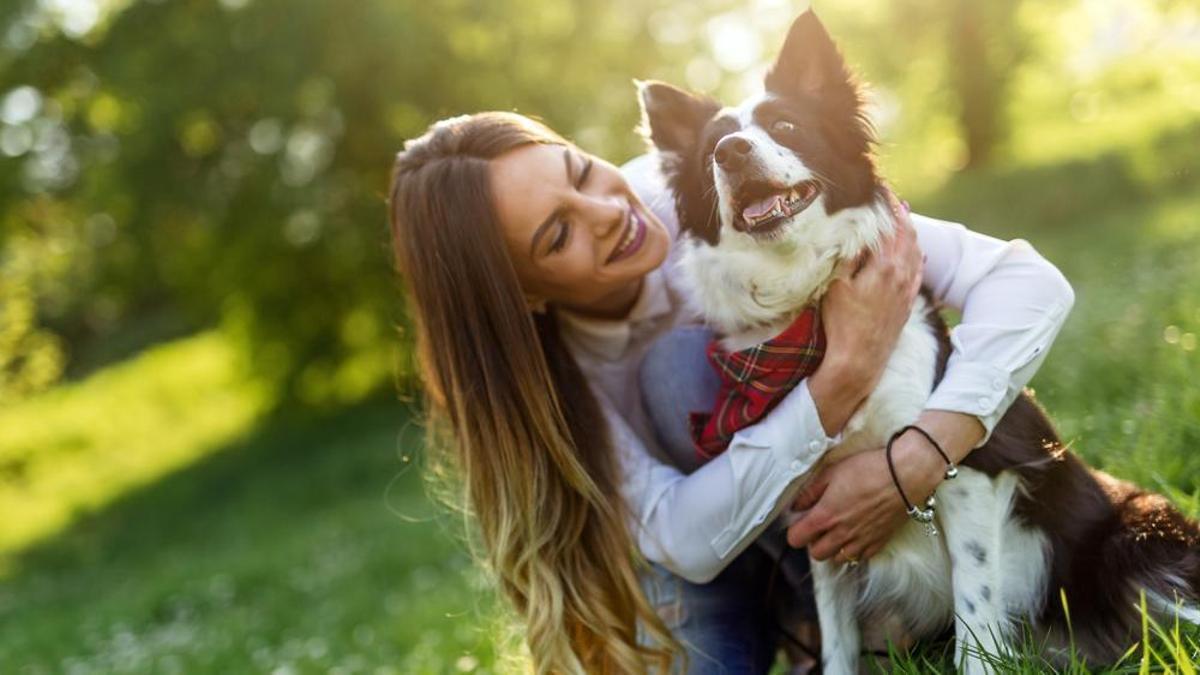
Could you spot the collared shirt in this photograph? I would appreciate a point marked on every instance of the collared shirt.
(1013, 303)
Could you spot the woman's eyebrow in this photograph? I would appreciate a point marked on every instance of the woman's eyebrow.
(553, 217)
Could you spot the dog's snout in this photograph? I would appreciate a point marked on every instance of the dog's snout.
(731, 152)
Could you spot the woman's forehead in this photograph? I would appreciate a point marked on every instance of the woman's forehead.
(525, 186)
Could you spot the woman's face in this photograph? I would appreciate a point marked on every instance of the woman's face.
(578, 235)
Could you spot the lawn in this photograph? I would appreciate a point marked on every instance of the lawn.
(157, 520)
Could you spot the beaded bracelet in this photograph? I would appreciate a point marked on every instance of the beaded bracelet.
(921, 515)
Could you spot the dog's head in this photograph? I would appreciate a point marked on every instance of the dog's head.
(766, 170)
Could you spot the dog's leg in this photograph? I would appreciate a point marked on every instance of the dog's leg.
(837, 604)
(972, 510)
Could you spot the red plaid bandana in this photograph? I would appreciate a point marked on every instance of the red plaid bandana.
(754, 380)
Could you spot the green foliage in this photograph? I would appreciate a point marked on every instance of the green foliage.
(230, 159)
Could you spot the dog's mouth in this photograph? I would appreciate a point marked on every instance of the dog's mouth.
(762, 208)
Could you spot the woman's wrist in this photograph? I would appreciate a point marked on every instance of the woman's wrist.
(837, 389)
(919, 466)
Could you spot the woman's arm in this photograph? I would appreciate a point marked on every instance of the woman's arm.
(1013, 304)
(696, 524)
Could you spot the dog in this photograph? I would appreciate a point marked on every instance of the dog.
(771, 196)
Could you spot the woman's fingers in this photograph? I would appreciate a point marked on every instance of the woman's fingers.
(811, 493)
(830, 544)
(850, 553)
(806, 530)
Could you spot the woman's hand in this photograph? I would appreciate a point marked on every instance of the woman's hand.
(863, 312)
(853, 505)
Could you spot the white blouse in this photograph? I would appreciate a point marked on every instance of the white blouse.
(1013, 303)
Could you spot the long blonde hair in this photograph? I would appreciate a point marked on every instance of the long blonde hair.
(528, 437)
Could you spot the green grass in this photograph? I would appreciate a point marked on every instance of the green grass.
(156, 520)
(303, 544)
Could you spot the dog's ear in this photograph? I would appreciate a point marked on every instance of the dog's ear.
(810, 64)
(672, 118)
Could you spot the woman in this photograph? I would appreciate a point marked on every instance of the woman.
(533, 309)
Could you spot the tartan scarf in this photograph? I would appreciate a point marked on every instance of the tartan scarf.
(754, 380)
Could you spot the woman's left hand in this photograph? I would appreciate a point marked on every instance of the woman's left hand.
(853, 507)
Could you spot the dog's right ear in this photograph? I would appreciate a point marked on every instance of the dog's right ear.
(672, 118)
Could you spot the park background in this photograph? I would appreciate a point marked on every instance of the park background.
(210, 446)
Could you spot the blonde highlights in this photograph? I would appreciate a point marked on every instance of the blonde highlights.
(529, 441)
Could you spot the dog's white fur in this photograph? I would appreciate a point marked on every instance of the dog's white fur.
(986, 569)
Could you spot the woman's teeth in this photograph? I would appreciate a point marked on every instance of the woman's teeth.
(630, 234)
(629, 239)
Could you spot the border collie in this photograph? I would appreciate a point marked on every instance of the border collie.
(772, 195)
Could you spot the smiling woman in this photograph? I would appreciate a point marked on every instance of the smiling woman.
(491, 214)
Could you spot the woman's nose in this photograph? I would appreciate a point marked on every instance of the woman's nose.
(605, 213)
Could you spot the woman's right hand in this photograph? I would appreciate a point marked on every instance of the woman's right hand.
(863, 312)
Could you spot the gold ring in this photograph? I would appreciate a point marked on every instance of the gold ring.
(851, 560)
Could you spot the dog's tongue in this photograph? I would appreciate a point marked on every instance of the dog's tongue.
(761, 208)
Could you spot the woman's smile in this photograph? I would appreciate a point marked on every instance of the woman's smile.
(632, 238)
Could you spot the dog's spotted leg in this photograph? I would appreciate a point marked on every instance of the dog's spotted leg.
(972, 509)
(837, 601)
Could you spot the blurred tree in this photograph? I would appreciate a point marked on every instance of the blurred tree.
(227, 161)
(970, 49)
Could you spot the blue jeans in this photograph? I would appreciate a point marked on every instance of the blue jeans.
(731, 624)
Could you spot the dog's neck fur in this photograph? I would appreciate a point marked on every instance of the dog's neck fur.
(749, 291)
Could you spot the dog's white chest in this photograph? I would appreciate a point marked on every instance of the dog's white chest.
(902, 391)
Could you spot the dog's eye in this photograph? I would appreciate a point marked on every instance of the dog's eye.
(783, 127)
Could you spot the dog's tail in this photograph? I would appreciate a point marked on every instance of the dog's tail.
(1147, 548)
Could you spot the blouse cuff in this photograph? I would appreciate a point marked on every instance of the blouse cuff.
(978, 389)
(777, 431)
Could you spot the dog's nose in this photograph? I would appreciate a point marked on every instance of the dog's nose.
(731, 152)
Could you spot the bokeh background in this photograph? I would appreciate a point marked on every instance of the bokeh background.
(209, 448)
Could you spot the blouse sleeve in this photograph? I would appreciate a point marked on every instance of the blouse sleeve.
(1013, 303)
(695, 524)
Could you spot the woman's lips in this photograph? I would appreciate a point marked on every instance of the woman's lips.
(632, 238)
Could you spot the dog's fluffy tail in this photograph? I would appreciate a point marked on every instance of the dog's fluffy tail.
(1147, 546)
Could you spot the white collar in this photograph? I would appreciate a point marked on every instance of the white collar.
(609, 338)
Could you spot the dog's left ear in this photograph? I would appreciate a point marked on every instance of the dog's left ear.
(672, 118)
(810, 63)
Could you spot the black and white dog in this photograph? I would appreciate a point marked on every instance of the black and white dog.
(772, 195)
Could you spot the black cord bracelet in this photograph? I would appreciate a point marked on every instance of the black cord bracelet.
(951, 469)
(908, 506)
(921, 515)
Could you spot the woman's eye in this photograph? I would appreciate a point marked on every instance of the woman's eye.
(783, 126)
(560, 239)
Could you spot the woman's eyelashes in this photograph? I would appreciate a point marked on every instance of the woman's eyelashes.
(564, 227)
(583, 175)
(560, 239)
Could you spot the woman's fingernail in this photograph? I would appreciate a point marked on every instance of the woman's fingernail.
(907, 208)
